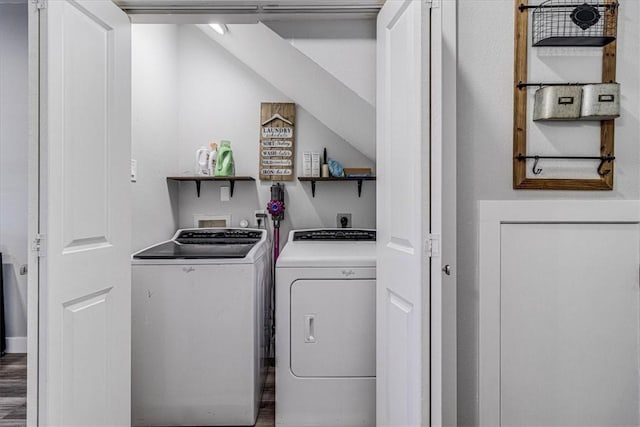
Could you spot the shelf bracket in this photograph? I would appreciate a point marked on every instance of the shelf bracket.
(197, 188)
(232, 184)
(313, 189)
(359, 187)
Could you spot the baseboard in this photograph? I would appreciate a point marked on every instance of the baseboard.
(16, 344)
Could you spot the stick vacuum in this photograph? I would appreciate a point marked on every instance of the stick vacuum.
(276, 208)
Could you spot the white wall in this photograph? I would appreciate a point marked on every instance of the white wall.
(13, 166)
(485, 93)
(220, 98)
(154, 131)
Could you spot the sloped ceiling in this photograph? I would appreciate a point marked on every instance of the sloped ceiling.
(303, 81)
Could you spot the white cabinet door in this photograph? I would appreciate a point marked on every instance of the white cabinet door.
(85, 279)
(403, 203)
(559, 313)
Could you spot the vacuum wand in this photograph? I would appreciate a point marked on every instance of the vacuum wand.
(276, 209)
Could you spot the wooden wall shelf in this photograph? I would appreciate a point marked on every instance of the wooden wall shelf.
(314, 179)
(607, 127)
(198, 180)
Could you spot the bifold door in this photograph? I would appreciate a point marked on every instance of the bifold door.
(85, 275)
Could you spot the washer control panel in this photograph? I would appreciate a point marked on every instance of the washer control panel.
(213, 236)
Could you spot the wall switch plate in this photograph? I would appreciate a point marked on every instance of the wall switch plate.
(225, 193)
(134, 170)
(343, 220)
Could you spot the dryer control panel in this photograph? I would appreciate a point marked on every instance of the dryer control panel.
(335, 235)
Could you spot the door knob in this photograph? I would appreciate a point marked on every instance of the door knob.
(447, 270)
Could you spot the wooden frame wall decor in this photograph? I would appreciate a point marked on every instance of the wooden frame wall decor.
(277, 141)
(607, 127)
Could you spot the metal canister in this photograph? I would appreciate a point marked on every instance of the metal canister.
(557, 103)
(600, 101)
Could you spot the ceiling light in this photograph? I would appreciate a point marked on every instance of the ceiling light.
(219, 28)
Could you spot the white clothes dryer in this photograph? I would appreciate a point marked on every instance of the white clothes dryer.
(326, 329)
(200, 328)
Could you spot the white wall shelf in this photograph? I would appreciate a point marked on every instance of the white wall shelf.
(314, 179)
(198, 180)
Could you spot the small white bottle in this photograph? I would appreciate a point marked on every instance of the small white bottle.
(213, 155)
(202, 161)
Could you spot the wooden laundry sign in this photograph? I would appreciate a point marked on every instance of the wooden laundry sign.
(277, 141)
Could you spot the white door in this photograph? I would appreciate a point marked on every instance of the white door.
(403, 204)
(85, 278)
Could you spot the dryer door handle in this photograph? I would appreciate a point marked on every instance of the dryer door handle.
(309, 328)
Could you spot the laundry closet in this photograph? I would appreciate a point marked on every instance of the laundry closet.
(192, 86)
(189, 90)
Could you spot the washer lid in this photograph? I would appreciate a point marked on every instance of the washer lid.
(205, 243)
(175, 250)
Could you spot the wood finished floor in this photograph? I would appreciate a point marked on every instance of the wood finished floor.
(13, 394)
(13, 390)
(267, 415)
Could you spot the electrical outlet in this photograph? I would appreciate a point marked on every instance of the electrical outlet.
(343, 220)
(225, 193)
(261, 218)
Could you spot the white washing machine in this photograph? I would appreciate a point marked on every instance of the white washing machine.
(200, 328)
(326, 329)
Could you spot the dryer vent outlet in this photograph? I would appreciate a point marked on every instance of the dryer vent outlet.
(343, 220)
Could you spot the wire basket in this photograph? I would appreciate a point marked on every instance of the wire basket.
(574, 23)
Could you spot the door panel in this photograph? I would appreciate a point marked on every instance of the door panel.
(85, 280)
(569, 315)
(333, 326)
(85, 361)
(402, 135)
(398, 337)
(88, 50)
(402, 211)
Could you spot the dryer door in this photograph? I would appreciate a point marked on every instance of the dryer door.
(333, 328)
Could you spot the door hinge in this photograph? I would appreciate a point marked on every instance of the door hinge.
(433, 245)
(39, 4)
(36, 246)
